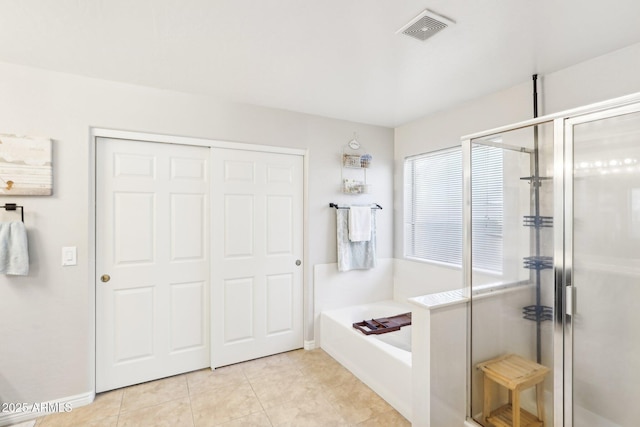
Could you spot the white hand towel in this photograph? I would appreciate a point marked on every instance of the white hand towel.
(360, 223)
(14, 252)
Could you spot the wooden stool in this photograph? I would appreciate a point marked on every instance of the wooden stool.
(516, 374)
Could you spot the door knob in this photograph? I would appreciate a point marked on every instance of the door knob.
(298, 262)
(105, 278)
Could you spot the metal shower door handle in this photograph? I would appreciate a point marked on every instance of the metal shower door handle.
(571, 300)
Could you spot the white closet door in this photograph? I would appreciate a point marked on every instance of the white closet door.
(257, 294)
(152, 251)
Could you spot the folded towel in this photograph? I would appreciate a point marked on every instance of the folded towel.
(360, 223)
(14, 252)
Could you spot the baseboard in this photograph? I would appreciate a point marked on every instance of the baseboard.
(36, 410)
(309, 345)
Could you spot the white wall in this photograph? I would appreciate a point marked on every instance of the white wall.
(412, 279)
(598, 79)
(334, 289)
(47, 317)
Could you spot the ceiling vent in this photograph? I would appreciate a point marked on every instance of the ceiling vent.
(425, 25)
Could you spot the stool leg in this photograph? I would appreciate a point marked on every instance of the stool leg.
(540, 401)
(486, 409)
(515, 407)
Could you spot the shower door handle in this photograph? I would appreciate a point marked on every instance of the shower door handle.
(570, 300)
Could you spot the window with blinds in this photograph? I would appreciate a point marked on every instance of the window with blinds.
(433, 207)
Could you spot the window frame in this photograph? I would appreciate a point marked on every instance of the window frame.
(493, 241)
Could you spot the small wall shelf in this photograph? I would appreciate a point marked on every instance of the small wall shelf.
(354, 165)
(538, 262)
(538, 313)
(538, 221)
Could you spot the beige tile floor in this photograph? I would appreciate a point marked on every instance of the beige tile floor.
(298, 388)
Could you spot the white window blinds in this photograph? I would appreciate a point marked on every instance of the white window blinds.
(487, 188)
(433, 207)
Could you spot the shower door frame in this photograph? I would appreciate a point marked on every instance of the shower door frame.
(567, 277)
(563, 332)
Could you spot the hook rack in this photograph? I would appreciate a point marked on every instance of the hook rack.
(13, 207)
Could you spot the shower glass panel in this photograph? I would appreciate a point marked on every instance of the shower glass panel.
(510, 181)
(606, 271)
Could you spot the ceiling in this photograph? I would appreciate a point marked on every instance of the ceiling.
(334, 58)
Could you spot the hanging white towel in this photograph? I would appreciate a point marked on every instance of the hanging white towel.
(360, 223)
(354, 255)
(14, 251)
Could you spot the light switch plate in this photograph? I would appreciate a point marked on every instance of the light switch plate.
(69, 255)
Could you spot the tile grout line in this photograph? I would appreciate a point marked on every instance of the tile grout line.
(193, 417)
(120, 409)
(257, 398)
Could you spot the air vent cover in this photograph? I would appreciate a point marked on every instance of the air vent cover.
(425, 25)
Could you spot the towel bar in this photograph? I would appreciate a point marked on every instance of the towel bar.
(13, 207)
(334, 205)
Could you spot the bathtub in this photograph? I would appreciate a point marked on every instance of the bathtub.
(383, 362)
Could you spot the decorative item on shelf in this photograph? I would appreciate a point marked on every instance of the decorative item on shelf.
(365, 160)
(350, 186)
(351, 160)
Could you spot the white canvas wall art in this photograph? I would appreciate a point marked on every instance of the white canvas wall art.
(25, 166)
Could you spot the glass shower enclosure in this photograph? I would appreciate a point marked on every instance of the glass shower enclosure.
(554, 332)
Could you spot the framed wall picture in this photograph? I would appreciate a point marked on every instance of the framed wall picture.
(25, 166)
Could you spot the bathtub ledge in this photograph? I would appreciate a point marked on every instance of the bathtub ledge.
(439, 300)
